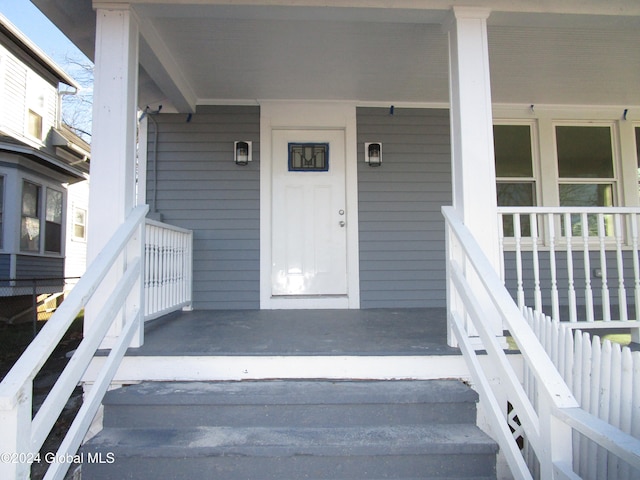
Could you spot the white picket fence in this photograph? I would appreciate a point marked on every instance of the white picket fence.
(605, 380)
(573, 263)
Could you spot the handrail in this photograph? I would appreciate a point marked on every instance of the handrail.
(553, 445)
(15, 389)
(561, 210)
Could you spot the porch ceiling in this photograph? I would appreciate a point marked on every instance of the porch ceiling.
(206, 52)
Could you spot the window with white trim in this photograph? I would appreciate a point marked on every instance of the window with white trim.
(586, 172)
(585, 166)
(41, 219)
(516, 182)
(79, 227)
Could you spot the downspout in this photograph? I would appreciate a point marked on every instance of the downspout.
(62, 93)
(153, 210)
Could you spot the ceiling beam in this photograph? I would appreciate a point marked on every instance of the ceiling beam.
(160, 64)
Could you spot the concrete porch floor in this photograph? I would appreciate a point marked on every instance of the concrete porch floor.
(379, 332)
(267, 344)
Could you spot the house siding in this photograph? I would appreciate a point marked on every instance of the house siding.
(199, 187)
(401, 228)
(196, 185)
(22, 88)
(34, 266)
(579, 281)
(5, 266)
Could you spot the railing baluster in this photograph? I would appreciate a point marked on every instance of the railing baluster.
(588, 292)
(555, 301)
(501, 246)
(573, 314)
(520, 282)
(636, 264)
(533, 220)
(622, 291)
(606, 302)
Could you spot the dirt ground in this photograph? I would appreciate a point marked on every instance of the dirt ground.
(14, 339)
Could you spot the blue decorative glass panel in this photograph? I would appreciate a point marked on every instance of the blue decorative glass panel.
(308, 157)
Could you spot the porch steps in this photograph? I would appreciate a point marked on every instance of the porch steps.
(291, 430)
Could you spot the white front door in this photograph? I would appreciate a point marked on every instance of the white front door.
(309, 218)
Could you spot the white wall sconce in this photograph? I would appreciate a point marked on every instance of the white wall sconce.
(373, 154)
(242, 152)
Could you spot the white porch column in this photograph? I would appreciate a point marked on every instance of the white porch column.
(112, 193)
(473, 164)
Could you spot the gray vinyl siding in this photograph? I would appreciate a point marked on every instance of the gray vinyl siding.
(562, 279)
(5, 266)
(402, 247)
(30, 267)
(200, 188)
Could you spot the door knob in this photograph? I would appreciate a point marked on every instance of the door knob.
(341, 223)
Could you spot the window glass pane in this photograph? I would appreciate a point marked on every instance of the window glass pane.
(521, 194)
(30, 234)
(79, 222)
(35, 125)
(54, 206)
(30, 222)
(586, 195)
(584, 152)
(53, 226)
(516, 194)
(30, 199)
(308, 157)
(53, 237)
(512, 145)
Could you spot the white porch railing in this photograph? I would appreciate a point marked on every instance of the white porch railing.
(573, 263)
(605, 380)
(23, 436)
(551, 415)
(168, 269)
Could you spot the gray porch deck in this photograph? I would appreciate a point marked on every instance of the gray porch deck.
(380, 332)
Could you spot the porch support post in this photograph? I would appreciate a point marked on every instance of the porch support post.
(473, 164)
(112, 193)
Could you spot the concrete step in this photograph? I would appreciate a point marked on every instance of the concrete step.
(276, 453)
(291, 403)
(322, 430)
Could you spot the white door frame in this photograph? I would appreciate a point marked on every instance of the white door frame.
(299, 116)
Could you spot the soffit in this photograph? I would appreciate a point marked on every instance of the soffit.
(370, 54)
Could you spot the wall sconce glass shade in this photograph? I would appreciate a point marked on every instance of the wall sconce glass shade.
(242, 152)
(373, 154)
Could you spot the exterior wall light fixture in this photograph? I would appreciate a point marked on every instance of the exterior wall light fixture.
(373, 154)
(242, 152)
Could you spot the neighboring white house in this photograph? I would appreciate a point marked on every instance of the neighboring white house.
(313, 146)
(40, 161)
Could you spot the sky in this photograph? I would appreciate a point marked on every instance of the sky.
(30, 21)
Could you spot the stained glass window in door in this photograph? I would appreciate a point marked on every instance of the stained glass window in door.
(308, 157)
